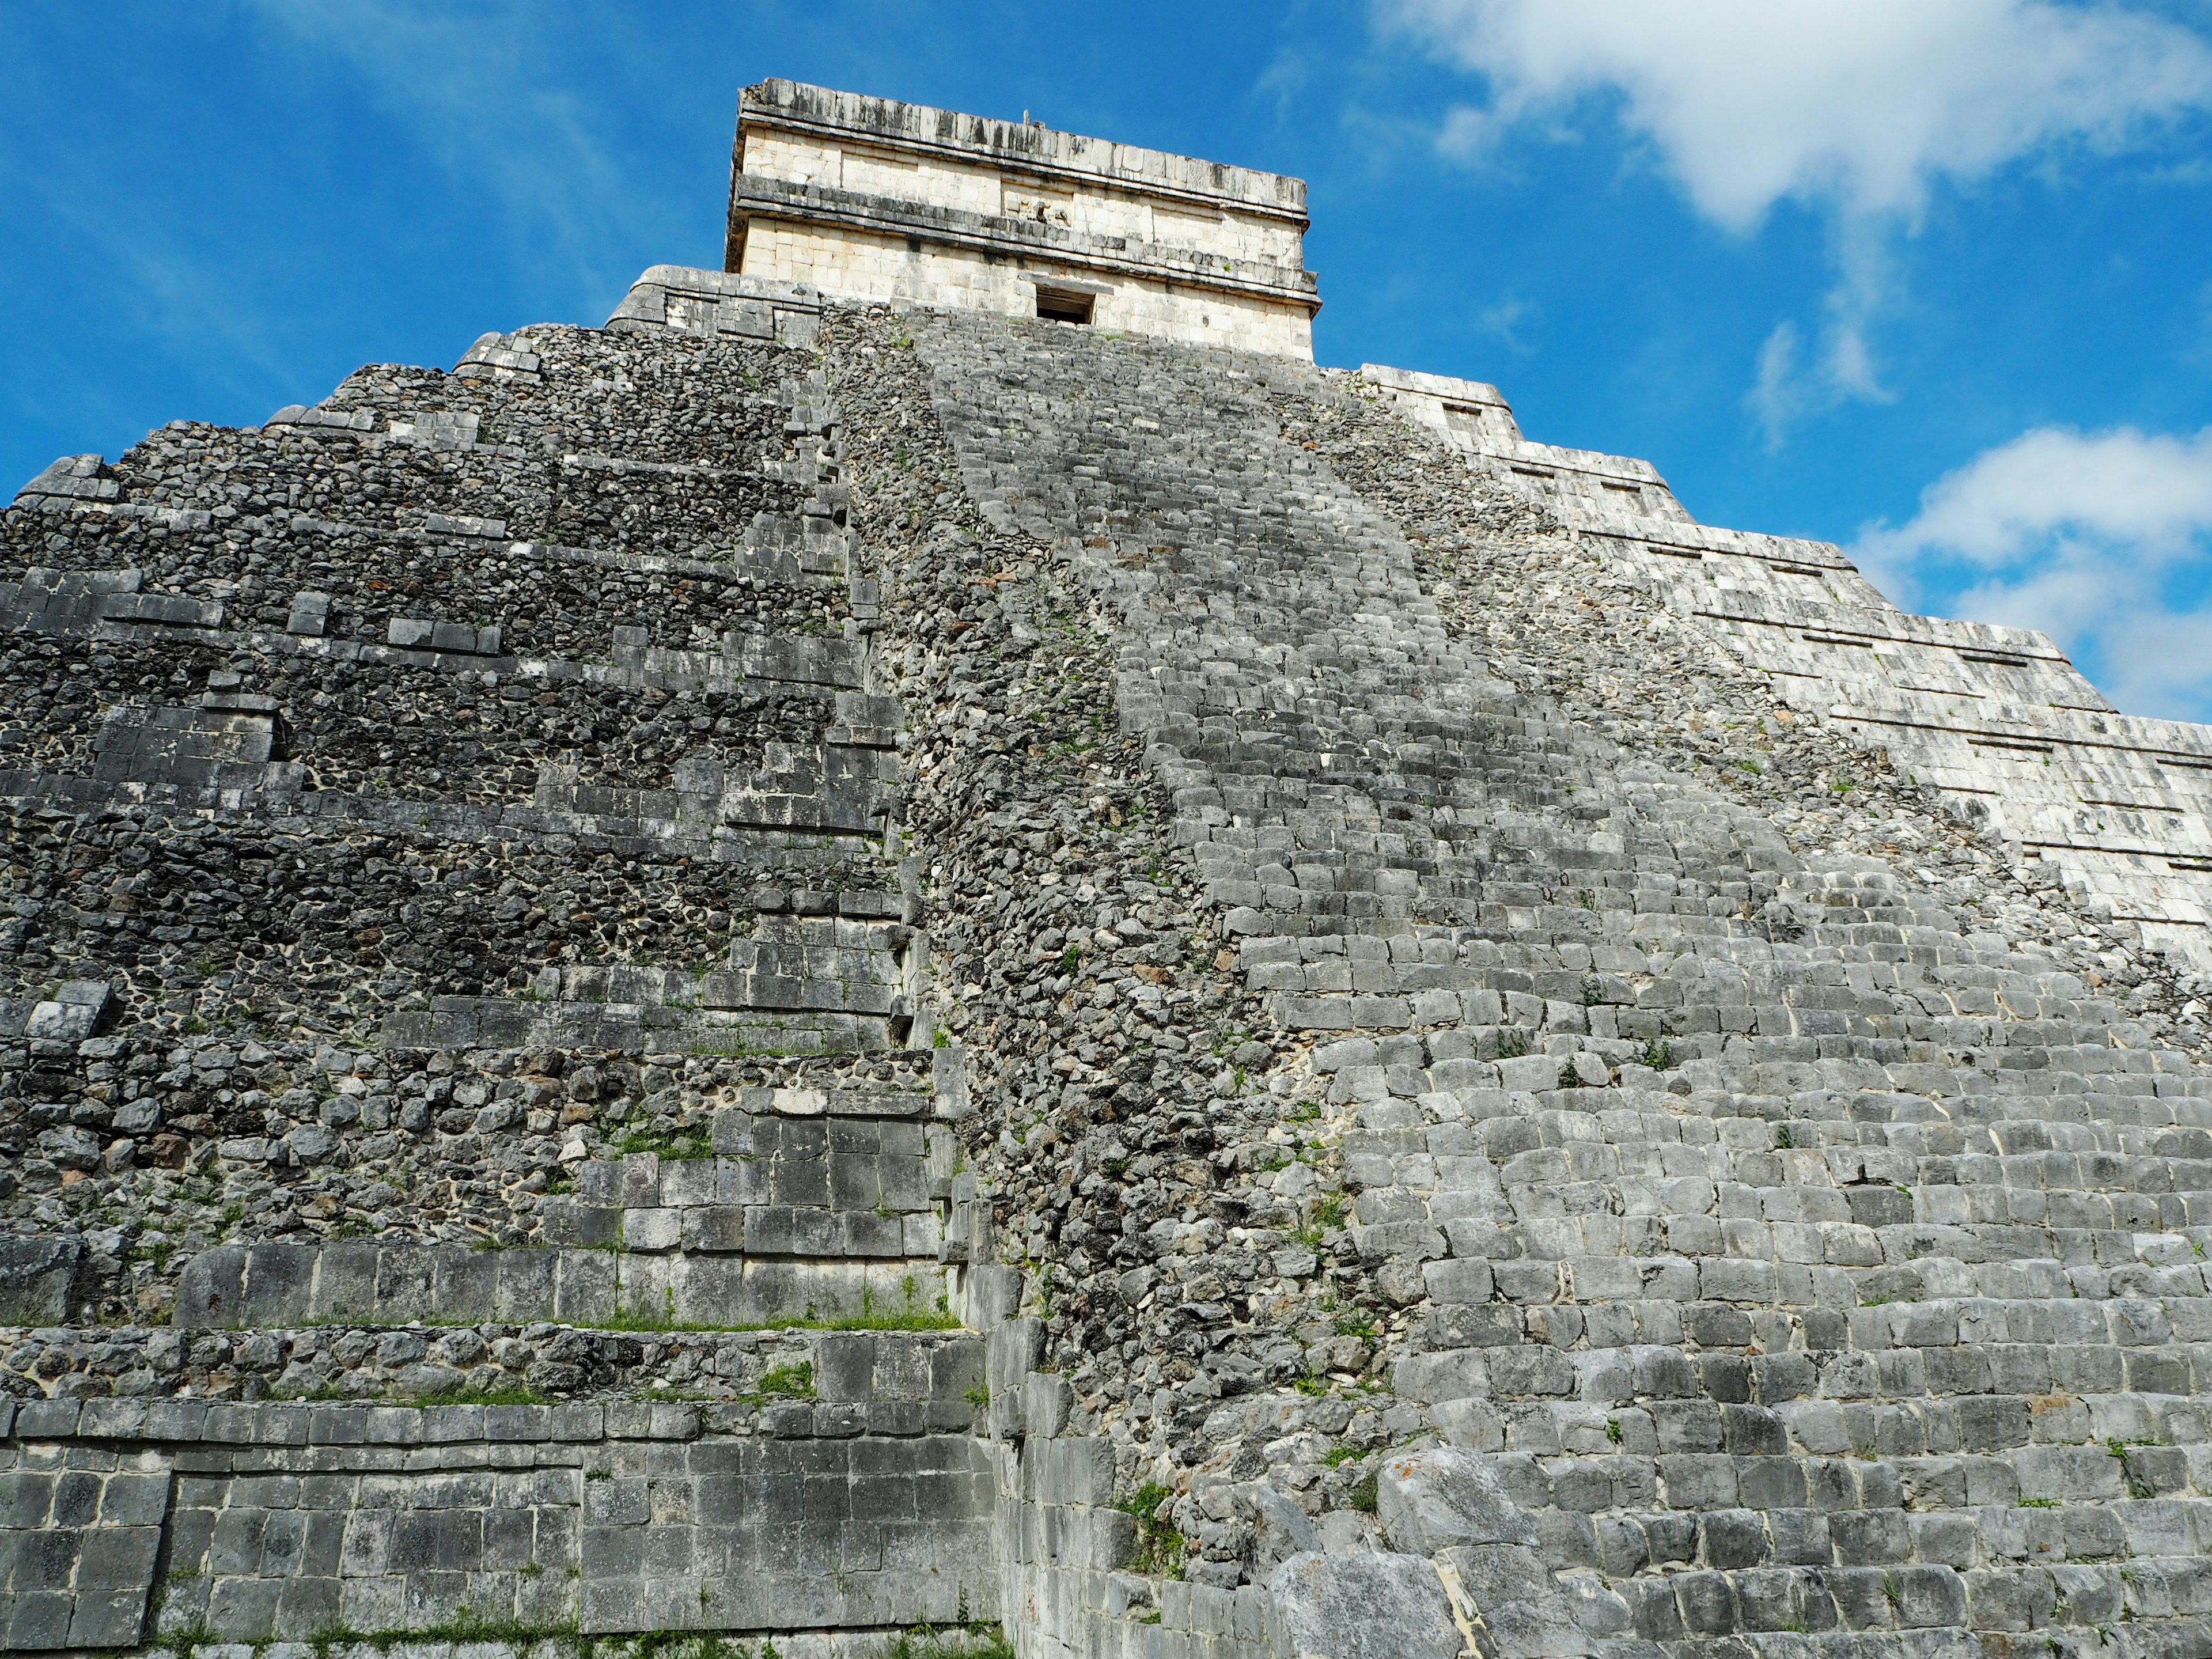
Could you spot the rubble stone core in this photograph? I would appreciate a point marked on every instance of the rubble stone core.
(805, 966)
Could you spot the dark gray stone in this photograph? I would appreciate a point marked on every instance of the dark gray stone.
(36, 1277)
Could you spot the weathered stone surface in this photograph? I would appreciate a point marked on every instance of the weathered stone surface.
(1434, 1500)
(36, 1275)
(1996, 717)
(1281, 1530)
(953, 209)
(1283, 985)
(1362, 1607)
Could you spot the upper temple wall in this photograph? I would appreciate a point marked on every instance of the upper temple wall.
(870, 198)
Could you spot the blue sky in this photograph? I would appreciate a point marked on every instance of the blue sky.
(1929, 278)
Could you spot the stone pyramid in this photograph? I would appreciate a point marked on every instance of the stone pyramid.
(929, 952)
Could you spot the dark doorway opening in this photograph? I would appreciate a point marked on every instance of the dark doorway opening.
(1059, 305)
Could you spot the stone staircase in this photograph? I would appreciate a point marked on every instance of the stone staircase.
(1815, 1271)
(368, 634)
(2119, 806)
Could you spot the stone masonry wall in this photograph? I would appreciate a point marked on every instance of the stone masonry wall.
(874, 199)
(1059, 981)
(285, 1522)
(476, 1164)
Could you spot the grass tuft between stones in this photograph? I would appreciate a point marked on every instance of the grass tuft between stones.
(511, 1394)
(1160, 1544)
(787, 1382)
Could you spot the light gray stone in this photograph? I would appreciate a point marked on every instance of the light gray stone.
(1362, 1607)
(1432, 1500)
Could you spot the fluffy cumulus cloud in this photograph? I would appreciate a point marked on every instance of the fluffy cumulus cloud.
(1865, 102)
(1858, 107)
(2102, 540)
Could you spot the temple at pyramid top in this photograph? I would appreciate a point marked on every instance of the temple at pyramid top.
(869, 199)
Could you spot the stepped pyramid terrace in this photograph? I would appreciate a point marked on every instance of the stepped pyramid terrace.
(928, 936)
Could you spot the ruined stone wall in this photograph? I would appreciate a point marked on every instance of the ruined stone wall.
(793, 969)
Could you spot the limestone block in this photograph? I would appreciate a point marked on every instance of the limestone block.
(1532, 1072)
(1281, 1530)
(310, 615)
(73, 477)
(1433, 1500)
(1371, 1606)
(73, 1015)
(77, 1550)
(492, 355)
(1014, 1348)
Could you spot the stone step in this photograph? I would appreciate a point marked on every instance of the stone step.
(1630, 1542)
(844, 1152)
(735, 661)
(2129, 1323)
(1502, 1353)
(1803, 1600)
(1808, 1386)
(1939, 1642)
(452, 1022)
(472, 440)
(801, 1264)
(1656, 1261)
(1942, 1421)
(1817, 1603)
(909, 1380)
(1765, 1495)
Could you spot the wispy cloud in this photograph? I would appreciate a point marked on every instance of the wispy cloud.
(1860, 109)
(2103, 540)
(165, 289)
(1504, 322)
(482, 94)
(1792, 382)
(1777, 395)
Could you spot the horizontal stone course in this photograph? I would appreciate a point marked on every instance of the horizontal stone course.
(774, 1264)
(286, 1516)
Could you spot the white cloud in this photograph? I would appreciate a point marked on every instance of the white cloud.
(2102, 540)
(1504, 321)
(1862, 102)
(1857, 108)
(1777, 395)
